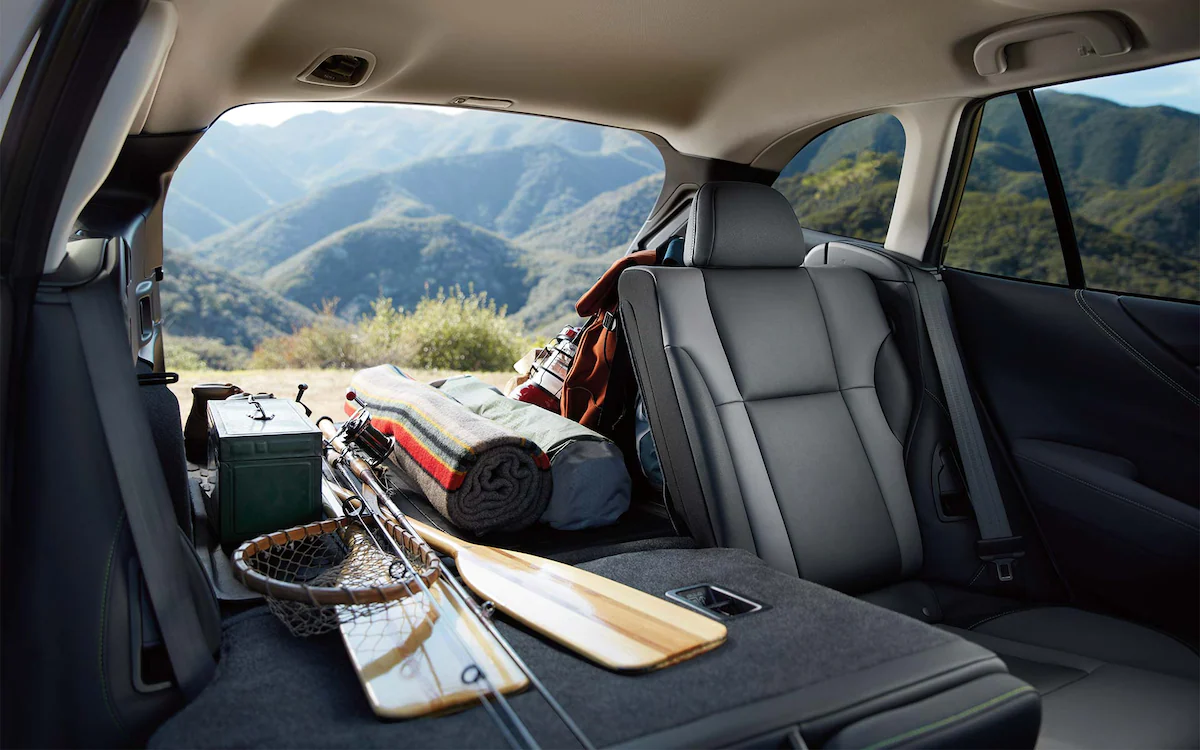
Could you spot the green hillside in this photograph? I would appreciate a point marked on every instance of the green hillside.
(1130, 176)
(404, 258)
(508, 191)
(607, 222)
(203, 301)
(237, 172)
(532, 211)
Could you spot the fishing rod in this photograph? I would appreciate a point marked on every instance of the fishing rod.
(346, 467)
(376, 448)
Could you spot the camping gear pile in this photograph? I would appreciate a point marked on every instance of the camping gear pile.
(591, 485)
(476, 473)
(268, 459)
(369, 571)
(545, 370)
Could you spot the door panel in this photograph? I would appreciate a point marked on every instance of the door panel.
(1174, 326)
(1098, 405)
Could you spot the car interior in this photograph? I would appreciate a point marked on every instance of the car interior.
(960, 504)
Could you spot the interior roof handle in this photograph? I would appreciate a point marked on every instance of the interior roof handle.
(1105, 36)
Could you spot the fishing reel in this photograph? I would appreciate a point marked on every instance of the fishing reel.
(359, 432)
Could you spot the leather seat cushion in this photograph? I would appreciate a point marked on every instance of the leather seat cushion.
(1104, 682)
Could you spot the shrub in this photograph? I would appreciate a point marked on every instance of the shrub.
(201, 353)
(457, 331)
(327, 343)
(453, 330)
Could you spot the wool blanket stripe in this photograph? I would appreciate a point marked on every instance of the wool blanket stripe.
(480, 475)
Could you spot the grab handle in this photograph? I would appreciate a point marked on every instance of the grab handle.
(1104, 35)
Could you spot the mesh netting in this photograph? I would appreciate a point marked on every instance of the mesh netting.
(319, 576)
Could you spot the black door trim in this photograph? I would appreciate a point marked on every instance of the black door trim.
(1054, 188)
(961, 155)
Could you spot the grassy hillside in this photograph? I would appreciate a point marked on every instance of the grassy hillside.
(403, 258)
(236, 172)
(199, 300)
(508, 191)
(400, 202)
(607, 222)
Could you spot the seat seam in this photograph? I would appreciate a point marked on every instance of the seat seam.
(663, 448)
(753, 430)
(875, 385)
(744, 400)
(1082, 676)
(1110, 493)
(1131, 350)
(949, 721)
(937, 401)
(857, 431)
(994, 617)
(112, 549)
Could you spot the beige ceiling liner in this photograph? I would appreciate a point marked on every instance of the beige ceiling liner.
(717, 78)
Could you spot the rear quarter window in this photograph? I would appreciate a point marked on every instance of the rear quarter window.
(844, 181)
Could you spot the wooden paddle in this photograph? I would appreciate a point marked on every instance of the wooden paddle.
(608, 622)
(410, 656)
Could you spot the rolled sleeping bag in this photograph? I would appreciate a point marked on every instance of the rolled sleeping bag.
(591, 483)
(478, 474)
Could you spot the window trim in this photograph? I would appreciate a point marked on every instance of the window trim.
(830, 129)
(956, 179)
(961, 154)
(1064, 223)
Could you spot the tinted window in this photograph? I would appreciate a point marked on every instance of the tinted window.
(1005, 225)
(844, 181)
(1132, 176)
(1126, 149)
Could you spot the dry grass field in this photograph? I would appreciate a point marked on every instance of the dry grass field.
(326, 388)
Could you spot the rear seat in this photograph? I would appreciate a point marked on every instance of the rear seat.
(779, 404)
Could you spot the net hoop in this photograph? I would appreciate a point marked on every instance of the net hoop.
(244, 567)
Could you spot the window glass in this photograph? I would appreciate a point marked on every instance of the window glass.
(1005, 225)
(1128, 150)
(844, 181)
(316, 235)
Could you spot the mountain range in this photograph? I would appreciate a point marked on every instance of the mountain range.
(402, 201)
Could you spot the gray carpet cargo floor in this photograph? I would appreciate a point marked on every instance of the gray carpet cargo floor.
(272, 690)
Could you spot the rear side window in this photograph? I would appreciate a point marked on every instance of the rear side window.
(1132, 179)
(844, 181)
(1005, 224)
(1090, 184)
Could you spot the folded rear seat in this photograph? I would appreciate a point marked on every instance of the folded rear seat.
(780, 404)
(813, 664)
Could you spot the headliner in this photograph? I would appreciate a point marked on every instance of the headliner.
(714, 78)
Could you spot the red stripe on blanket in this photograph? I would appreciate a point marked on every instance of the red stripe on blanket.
(442, 473)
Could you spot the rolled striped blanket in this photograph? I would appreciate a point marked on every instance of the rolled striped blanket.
(478, 474)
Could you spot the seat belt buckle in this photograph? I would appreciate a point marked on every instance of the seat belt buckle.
(1002, 552)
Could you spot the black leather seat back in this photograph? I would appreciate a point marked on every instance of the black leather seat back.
(777, 395)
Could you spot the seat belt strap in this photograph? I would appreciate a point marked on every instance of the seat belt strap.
(142, 485)
(997, 543)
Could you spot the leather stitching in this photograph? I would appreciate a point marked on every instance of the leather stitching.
(837, 374)
(1131, 350)
(994, 617)
(112, 548)
(938, 401)
(1110, 493)
(978, 573)
(948, 721)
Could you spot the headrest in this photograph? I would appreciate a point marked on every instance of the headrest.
(742, 225)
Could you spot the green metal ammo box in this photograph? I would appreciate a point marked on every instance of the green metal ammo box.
(268, 458)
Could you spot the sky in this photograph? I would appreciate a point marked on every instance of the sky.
(274, 114)
(1174, 85)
